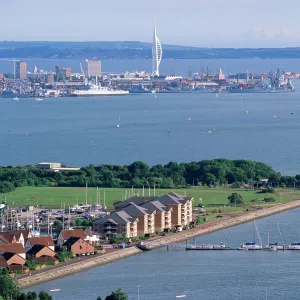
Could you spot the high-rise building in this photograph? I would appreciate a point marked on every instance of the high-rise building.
(156, 54)
(21, 70)
(93, 68)
(62, 73)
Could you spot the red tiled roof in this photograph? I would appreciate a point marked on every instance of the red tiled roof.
(43, 240)
(79, 233)
(8, 236)
(12, 248)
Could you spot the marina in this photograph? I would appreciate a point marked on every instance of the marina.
(160, 268)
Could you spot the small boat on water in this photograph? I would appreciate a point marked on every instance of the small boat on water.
(39, 99)
(253, 245)
(272, 246)
(220, 246)
(250, 246)
(15, 99)
(293, 246)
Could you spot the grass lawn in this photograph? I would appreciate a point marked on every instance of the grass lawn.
(57, 196)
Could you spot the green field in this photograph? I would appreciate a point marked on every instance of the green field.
(59, 196)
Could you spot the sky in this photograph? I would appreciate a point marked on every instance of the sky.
(203, 23)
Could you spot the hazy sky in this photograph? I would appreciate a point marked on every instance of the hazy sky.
(205, 23)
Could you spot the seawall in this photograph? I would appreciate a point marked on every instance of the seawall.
(77, 266)
(219, 225)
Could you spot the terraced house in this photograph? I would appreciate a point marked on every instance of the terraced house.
(116, 224)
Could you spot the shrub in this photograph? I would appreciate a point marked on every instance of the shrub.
(269, 199)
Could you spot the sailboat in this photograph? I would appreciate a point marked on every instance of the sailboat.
(274, 246)
(253, 245)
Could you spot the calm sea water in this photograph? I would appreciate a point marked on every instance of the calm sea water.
(171, 127)
(228, 275)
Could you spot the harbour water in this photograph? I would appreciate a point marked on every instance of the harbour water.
(226, 275)
(169, 127)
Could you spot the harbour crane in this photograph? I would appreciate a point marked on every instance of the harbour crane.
(83, 74)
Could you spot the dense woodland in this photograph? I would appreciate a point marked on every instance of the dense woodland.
(139, 174)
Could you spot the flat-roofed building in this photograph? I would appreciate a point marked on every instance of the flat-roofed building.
(21, 70)
(93, 68)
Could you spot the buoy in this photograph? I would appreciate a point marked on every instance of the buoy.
(118, 126)
(119, 118)
(215, 129)
(189, 119)
(275, 117)
(209, 131)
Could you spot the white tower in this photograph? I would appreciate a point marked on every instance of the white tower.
(156, 54)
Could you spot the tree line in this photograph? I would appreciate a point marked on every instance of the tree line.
(139, 174)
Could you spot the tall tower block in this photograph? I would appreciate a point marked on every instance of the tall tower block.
(156, 54)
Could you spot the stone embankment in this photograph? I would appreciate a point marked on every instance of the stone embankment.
(219, 225)
(75, 267)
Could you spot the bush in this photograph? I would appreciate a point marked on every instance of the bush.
(269, 199)
(268, 190)
(236, 185)
(235, 198)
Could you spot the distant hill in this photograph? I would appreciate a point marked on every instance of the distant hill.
(133, 50)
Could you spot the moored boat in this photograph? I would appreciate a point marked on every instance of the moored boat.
(220, 246)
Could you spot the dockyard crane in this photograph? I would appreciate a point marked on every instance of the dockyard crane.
(14, 63)
(83, 74)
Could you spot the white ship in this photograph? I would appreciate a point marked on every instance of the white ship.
(98, 90)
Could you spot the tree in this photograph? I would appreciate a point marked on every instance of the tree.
(235, 198)
(99, 298)
(117, 295)
(44, 296)
(7, 285)
(58, 224)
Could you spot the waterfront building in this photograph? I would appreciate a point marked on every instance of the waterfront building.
(7, 238)
(62, 73)
(67, 234)
(182, 208)
(146, 220)
(93, 68)
(163, 215)
(21, 70)
(156, 54)
(1, 76)
(42, 254)
(42, 241)
(116, 224)
(50, 77)
(21, 235)
(78, 246)
(13, 248)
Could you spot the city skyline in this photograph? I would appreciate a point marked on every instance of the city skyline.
(190, 22)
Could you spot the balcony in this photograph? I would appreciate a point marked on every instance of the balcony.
(110, 227)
